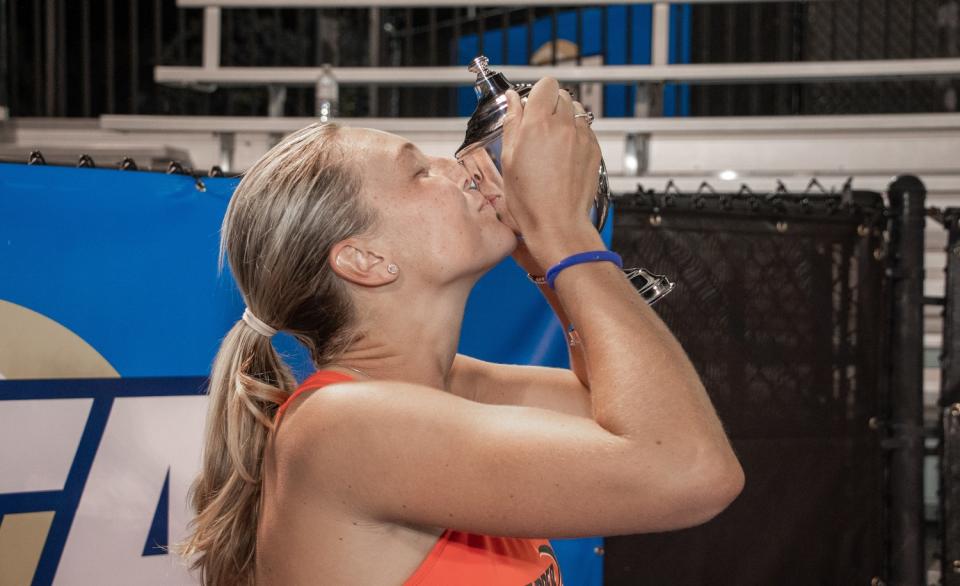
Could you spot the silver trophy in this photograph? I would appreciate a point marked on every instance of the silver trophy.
(481, 150)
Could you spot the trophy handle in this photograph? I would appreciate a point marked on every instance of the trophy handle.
(651, 286)
(601, 203)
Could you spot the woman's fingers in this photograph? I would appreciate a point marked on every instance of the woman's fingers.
(564, 106)
(580, 115)
(542, 99)
(581, 112)
(514, 111)
(550, 161)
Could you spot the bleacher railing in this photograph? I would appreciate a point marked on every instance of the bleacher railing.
(212, 72)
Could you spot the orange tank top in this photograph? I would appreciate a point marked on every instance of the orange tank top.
(462, 558)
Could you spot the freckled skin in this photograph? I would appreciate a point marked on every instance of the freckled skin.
(435, 229)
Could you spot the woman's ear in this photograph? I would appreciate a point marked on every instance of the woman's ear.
(354, 261)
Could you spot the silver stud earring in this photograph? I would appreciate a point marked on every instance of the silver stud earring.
(393, 269)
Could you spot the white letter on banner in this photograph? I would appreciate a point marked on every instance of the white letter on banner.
(144, 437)
(38, 439)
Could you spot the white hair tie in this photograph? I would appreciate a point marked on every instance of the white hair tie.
(257, 325)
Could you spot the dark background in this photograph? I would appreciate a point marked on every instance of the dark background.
(93, 57)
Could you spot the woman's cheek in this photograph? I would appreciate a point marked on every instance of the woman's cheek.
(504, 215)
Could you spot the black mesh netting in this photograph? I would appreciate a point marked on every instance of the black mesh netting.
(850, 30)
(780, 305)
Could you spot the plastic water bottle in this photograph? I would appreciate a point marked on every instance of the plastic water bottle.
(328, 95)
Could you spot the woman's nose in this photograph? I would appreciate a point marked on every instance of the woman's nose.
(452, 169)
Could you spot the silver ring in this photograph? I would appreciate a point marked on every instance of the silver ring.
(587, 115)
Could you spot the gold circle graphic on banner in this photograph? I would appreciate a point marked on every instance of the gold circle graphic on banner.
(34, 346)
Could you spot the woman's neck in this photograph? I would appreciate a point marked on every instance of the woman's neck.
(411, 339)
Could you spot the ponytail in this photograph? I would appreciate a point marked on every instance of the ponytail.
(248, 383)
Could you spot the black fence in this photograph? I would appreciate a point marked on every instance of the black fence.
(802, 313)
(950, 407)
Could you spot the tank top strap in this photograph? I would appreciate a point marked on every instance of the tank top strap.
(320, 378)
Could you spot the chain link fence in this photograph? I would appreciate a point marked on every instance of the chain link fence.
(781, 305)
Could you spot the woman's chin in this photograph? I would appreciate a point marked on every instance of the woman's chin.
(507, 220)
(508, 239)
(500, 246)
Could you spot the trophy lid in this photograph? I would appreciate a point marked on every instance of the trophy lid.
(487, 120)
(486, 125)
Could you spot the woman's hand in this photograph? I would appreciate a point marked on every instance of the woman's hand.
(526, 261)
(550, 163)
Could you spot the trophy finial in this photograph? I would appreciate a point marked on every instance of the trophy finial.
(489, 83)
(479, 65)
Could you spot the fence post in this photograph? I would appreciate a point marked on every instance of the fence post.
(907, 201)
(3, 61)
(950, 407)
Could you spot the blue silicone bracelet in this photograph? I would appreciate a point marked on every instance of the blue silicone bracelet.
(581, 257)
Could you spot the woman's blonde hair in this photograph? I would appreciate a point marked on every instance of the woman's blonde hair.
(289, 209)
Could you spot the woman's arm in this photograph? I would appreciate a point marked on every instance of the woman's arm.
(578, 363)
(432, 458)
(556, 389)
(642, 384)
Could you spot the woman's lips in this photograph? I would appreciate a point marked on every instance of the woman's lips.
(496, 202)
(488, 201)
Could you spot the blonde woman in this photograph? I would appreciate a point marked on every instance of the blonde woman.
(400, 461)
